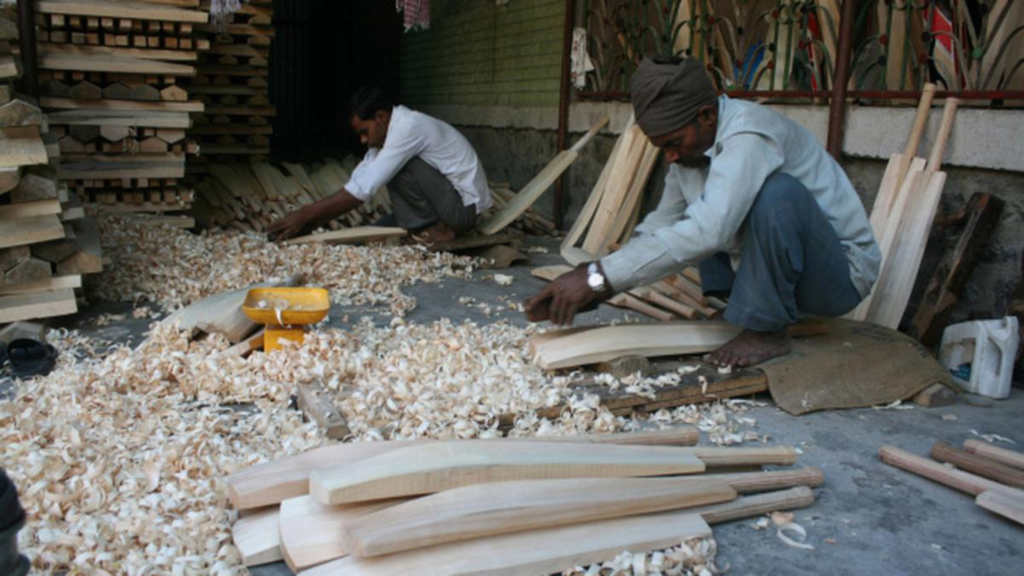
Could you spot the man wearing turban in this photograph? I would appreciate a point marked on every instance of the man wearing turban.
(753, 199)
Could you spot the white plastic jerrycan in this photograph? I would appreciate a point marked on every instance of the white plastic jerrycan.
(980, 355)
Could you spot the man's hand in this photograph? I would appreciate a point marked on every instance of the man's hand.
(560, 300)
(290, 225)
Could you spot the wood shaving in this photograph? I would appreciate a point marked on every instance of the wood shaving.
(173, 268)
(780, 518)
(992, 438)
(503, 279)
(796, 529)
(694, 557)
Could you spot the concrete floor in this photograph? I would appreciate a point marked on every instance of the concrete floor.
(882, 520)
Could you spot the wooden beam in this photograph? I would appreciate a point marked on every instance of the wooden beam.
(120, 105)
(127, 10)
(31, 230)
(108, 51)
(124, 118)
(257, 537)
(113, 64)
(28, 210)
(37, 305)
(537, 552)
(536, 187)
(483, 510)
(49, 285)
(21, 146)
(273, 482)
(429, 468)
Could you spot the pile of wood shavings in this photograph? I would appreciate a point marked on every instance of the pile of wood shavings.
(174, 268)
(691, 558)
(120, 455)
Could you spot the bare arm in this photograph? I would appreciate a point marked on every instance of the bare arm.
(313, 216)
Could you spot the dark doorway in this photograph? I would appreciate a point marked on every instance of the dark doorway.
(324, 50)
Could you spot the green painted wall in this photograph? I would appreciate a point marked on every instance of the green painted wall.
(481, 54)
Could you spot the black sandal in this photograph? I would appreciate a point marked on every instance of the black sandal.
(30, 357)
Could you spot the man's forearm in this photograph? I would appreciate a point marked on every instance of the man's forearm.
(323, 211)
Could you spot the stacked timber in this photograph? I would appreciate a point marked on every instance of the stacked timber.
(668, 300)
(46, 242)
(232, 83)
(504, 506)
(110, 79)
(250, 196)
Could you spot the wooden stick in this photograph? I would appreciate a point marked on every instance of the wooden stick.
(947, 475)
(632, 301)
(980, 465)
(1008, 457)
(752, 482)
(748, 506)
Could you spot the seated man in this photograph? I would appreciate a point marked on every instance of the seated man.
(435, 180)
(753, 199)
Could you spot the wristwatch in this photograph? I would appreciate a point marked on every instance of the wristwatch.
(595, 279)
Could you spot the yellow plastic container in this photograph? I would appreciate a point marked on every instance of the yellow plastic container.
(286, 312)
(304, 306)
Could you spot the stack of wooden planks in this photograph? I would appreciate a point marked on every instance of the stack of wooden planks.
(110, 77)
(612, 210)
(993, 475)
(46, 242)
(902, 216)
(675, 297)
(232, 82)
(503, 506)
(249, 197)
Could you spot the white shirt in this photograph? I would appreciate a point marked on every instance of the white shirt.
(702, 210)
(411, 134)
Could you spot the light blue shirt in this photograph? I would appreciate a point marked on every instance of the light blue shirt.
(702, 210)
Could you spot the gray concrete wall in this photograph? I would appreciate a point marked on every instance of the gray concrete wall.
(515, 152)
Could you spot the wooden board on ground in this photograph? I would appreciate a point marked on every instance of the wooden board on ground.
(357, 235)
(429, 468)
(317, 405)
(22, 231)
(21, 146)
(947, 475)
(464, 243)
(649, 340)
(537, 552)
(484, 510)
(272, 482)
(311, 532)
(37, 305)
(534, 188)
(257, 537)
(222, 313)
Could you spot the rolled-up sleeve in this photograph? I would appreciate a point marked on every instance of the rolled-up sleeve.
(375, 171)
(735, 177)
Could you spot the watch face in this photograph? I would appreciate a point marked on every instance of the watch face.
(596, 281)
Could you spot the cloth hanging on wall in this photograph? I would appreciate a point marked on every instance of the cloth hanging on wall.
(222, 12)
(416, 13)
(581, 63)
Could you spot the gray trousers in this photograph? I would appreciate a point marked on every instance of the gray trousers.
(422, 196)
(791, 262)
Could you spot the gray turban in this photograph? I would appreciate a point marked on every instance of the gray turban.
(667, 92)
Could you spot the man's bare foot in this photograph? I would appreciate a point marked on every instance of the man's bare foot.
(433, 234)
(751, 348)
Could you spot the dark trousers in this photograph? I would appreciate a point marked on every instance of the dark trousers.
(791, 262)
(422, 196)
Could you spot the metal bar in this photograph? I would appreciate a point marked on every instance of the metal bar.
(27, 43)
(564, 96)
(837, 106)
